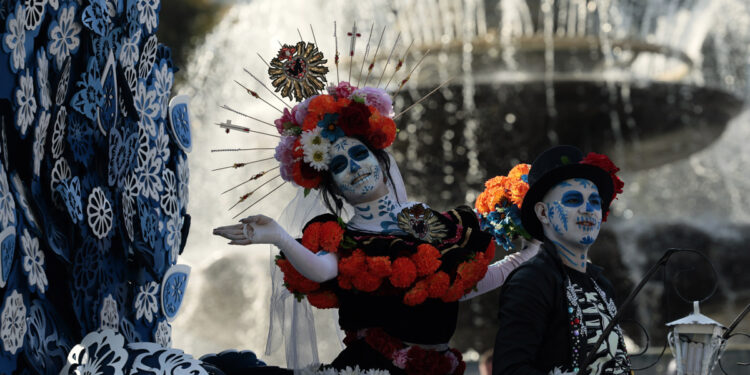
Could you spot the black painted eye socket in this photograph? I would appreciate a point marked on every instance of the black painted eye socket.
(359, 152)
(338, 164)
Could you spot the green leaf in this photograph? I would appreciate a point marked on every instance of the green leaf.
(307, 191)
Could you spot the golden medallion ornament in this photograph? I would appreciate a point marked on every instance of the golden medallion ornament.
(423, 223)
(298, 71)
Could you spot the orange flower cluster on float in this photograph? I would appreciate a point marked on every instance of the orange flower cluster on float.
(415, 276)
(309, 129)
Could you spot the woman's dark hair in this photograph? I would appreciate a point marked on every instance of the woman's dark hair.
(331, 193)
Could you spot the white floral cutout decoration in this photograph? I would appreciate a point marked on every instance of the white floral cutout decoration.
(146, 302)
(33, 262)
(109, 318)
(13, 323)
(99, 212)
(26, 102)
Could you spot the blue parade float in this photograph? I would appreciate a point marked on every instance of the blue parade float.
(93, 190)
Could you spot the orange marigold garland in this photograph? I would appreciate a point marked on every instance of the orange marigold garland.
(417, 294)
(294, 281)
(324, 299)
(404, 272)
(331, 234)
(311, 237)
(426, 259)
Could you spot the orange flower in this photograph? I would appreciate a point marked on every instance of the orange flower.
(417, 294)
(379, 266)
(323, 299)
(518, 171)
(305, 176)
(354, 264)
(454, 292)
(294, 281)
(426, 259)
(382, 131)
(489, 253)
(480, 205)
(437, 284)
(331, 234)
(404, 272)
(366, 282)
(310, 237)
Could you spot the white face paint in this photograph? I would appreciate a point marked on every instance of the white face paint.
(356, 171)
(573, 211)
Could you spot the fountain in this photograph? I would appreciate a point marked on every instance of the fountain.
(658, 85)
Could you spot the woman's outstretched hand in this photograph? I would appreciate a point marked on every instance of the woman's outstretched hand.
(256, 229)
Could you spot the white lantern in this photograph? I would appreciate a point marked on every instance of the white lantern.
(696, 342)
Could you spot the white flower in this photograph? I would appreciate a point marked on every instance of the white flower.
(13, 326)
(162, 144)
(54, 4)
(34, 13)
(26, 102)
(148, 57)
(33, 262)
(63, 35)
(147, 13)
(149, 176)
(169, 195)
(128, 53)
(163, 335)
(62, 85)
(60, 172)
(129, 195)
(145, 301)
(108, 316)
(100, 352)
(42, 78)
(99, 211)
(58, 132)
(7, 204)
(147, 107)
(15, 38)
(183, 176)
(174, 237)
(163, 79)
(40, 138)
(315, 149)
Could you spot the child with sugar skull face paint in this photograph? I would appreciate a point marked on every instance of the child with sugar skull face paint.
(396, 269)
(555, 307)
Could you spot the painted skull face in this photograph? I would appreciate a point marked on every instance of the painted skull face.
(356, 171)
(574, 213)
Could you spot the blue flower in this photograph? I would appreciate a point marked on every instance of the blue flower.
(330, 130)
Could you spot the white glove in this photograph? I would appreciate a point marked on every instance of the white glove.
(497, 272)
(260, 229)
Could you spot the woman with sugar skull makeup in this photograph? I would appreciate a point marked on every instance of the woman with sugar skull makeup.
(555, 307)
(395, 269)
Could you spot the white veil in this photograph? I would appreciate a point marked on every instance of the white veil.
(292, 323)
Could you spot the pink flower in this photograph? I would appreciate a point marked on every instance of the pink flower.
(400, 357)
(286, 118)
(285, 155)
(377, 98)
(452, 358)
(343, 90)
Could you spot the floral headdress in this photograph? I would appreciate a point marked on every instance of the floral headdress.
(307, 129)
(499, 206)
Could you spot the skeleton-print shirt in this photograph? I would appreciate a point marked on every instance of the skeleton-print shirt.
(611, 356)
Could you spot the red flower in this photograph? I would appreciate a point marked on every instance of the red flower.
(331, 234)
(310, 237)
(382, 342)
(366, 282)
(417, 294)
(426, 259)
(323, 299)
(345, 282)
(306, 176)
(379, 266)
(354, 119)
(437, 284)
(382, 131)
(404, 272)
(354, 264)
(293, 280)
(455, 291)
